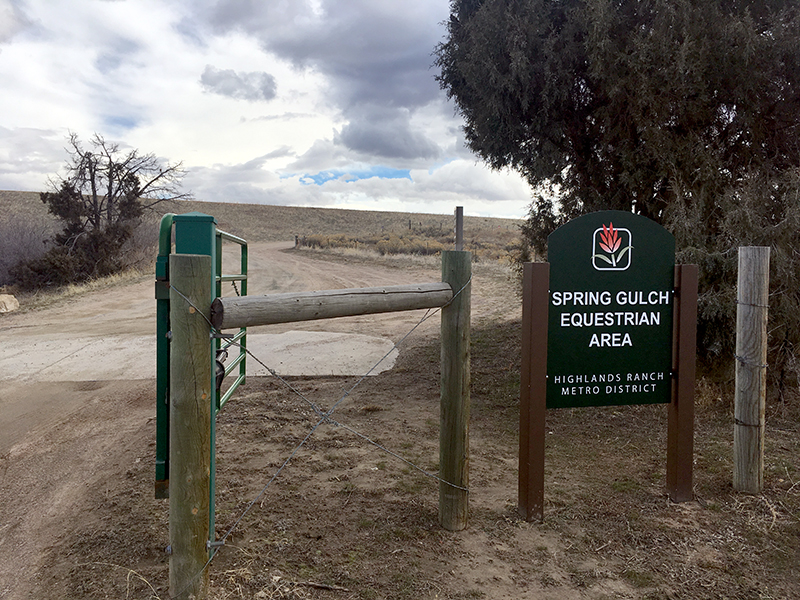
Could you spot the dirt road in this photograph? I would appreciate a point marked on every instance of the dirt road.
(76, 401)
(109, 336)
(347, 519)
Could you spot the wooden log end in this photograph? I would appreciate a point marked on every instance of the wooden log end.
(217, 313)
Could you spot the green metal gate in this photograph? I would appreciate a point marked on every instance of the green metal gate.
(194, 233)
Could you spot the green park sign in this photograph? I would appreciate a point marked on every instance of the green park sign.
(610, 319)
(610, 311)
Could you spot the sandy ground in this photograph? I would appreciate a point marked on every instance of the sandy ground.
(109, 336)
(77, 386)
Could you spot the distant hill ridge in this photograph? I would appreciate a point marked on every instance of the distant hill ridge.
(265, 222)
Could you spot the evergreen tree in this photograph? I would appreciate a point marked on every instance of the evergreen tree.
(100, 201)
(684, 111)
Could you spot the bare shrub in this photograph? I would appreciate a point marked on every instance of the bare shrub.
(22, 240)
(140, 250)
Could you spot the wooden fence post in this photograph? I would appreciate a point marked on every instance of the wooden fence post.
(190, 425)
(455, 400)
(751, 369)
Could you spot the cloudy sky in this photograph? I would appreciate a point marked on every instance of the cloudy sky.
(291, 102)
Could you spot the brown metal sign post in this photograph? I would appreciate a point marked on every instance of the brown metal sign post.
(680, 424)
(533, 390)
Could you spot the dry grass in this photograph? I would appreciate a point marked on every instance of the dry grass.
(347, 232)
(24, 229)
(266, 223)
(47, 298)
(25, 205)
(484, 244)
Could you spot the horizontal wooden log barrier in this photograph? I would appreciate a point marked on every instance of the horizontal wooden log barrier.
(251, 311)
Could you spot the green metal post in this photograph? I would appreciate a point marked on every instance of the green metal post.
(243, 342)
(240, 339)
(162, 357)
(218, 293)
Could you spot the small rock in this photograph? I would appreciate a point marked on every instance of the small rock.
(8, 303)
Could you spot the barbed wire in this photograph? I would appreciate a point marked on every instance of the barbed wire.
(324, 417)
(750, 363)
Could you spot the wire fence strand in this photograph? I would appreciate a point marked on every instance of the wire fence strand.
(323, 417)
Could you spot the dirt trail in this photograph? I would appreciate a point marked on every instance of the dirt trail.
(78, 519)
(109, 336)
(76, 402)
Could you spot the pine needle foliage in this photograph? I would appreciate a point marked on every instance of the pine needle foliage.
(684, 111)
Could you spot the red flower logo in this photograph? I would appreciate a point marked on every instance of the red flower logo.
(609, 242)
(609, 239)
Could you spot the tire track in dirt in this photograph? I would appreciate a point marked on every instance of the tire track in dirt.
(61, 442)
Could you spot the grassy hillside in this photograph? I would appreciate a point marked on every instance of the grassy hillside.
(259, 222)
(23, 205)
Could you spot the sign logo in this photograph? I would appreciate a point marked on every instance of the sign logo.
(611, 248)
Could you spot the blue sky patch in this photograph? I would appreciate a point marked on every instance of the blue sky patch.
(120, 124)
(355, 174)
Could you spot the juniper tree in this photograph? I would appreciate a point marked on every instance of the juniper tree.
(100, 200)
(684, 111)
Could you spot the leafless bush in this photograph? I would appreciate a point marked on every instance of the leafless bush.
(22, 240)
(140, 250)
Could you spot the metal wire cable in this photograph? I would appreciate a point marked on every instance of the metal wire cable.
(749, 363)
(215, 550)
(269, 482)
(277, 375)
(740, 303)
(194, 306)
(397, 456)
(323, 417)
(428, 314)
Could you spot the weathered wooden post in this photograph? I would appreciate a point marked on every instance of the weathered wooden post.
(455, 399)
(190, 425)
(751, 369)
(250, 311)
(459, 228)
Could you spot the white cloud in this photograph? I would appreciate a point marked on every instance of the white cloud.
(459, 183)
(12, 19)
(328, 85)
